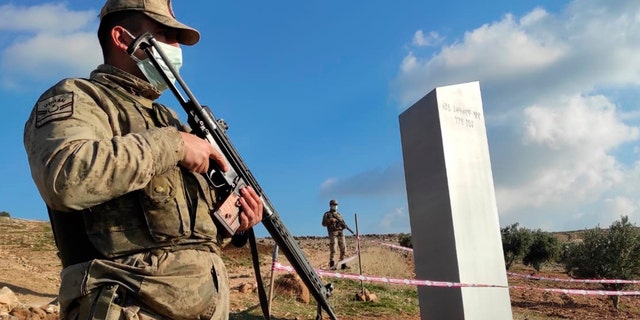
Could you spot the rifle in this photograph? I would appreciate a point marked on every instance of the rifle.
(227, 184)
(343, 225)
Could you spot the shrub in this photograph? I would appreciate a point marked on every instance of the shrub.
(544, 248)
(405, 240)
(515, 243)
(606, 254)
(4, 214)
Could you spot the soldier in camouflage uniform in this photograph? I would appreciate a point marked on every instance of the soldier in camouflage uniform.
(335, 224)
(121, 177)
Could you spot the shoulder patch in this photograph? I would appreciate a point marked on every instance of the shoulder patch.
(54, 108)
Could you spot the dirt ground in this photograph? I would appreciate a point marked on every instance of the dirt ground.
(30, 268)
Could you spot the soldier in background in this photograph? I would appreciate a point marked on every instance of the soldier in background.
(335, 224)
(122, 180)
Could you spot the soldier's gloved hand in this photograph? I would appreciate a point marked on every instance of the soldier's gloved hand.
(198, 152)
(252, 208)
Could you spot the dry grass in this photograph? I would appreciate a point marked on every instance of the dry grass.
(31, 269)
(382, 261)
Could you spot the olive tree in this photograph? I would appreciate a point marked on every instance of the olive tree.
(606, 254)
(544, 248)
(515, 243)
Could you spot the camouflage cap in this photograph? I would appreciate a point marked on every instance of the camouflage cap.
(158, 10)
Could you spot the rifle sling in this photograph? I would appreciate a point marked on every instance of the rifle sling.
(264, 304)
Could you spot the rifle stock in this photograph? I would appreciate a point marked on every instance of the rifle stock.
(228, 184)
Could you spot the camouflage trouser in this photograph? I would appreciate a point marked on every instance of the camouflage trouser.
(111, 303)
(181, 285)
(336, 237)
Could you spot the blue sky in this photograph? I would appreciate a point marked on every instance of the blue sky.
(312, 91)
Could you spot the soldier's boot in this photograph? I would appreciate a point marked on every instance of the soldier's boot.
(332, 264)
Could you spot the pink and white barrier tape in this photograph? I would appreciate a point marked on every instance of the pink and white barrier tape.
(396, 246)
(601, 281)
(582, 292)
(575, 280)
(428, 283)
(349, 259)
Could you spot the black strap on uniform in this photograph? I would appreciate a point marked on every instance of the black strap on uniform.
(71, 237)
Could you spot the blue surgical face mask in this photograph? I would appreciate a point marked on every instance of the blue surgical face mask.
(334, 208)
(174, 55)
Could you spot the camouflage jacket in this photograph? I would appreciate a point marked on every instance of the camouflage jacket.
(103, 148)
(338, 225)
(104, 157)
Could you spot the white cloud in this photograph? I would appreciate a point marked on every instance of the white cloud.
(395, 221)
(621, 206)
(422, 40)
(329, 183)
(585, 124)
(535, 57)
(46, 42)
(554, 135)
(52, 17)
